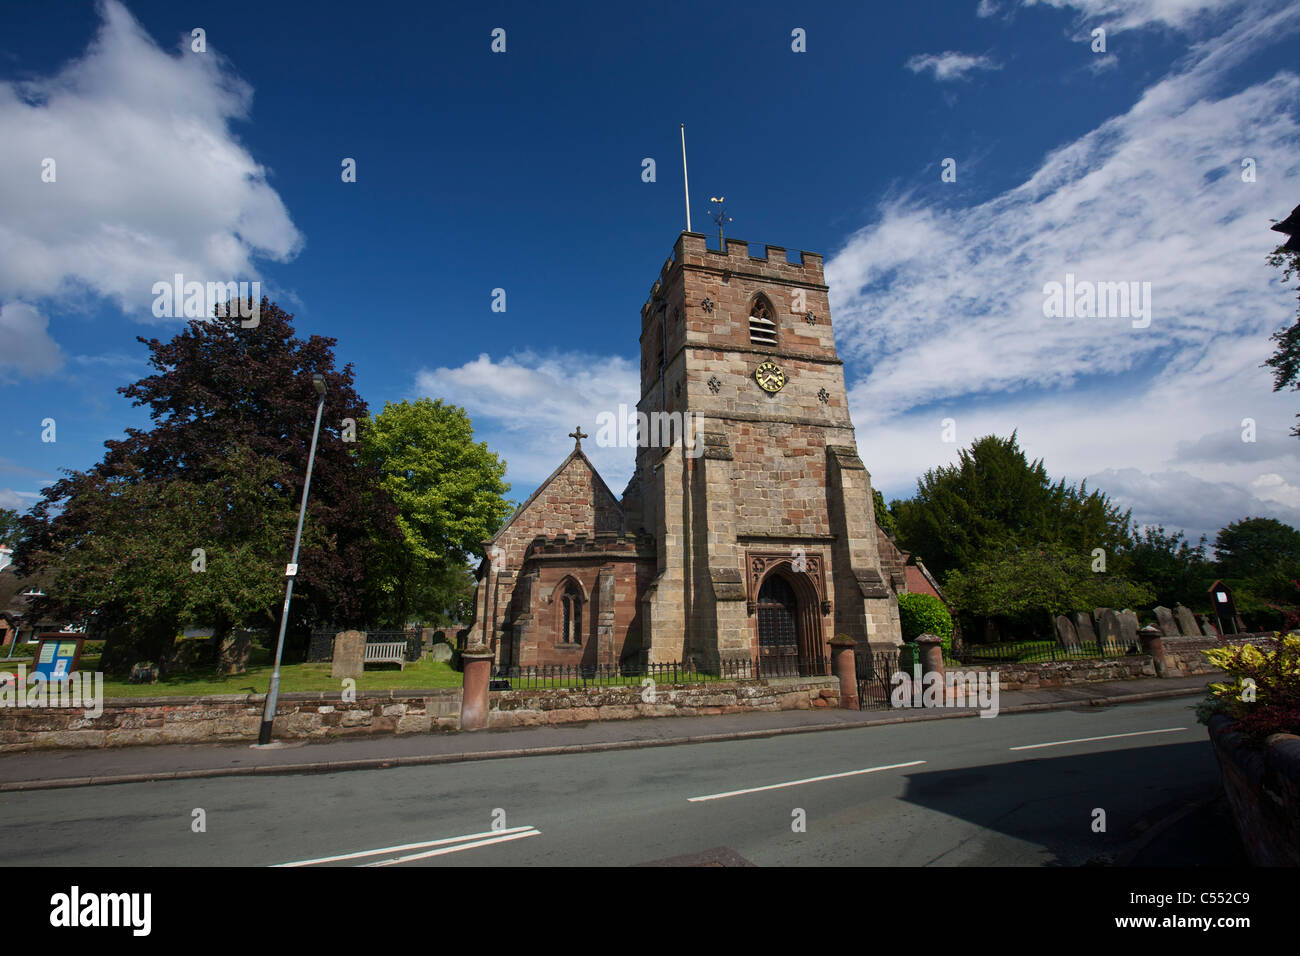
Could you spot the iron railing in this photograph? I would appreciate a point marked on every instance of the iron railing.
(1036, 652)
(674, 672)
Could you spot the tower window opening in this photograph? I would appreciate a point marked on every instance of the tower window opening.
(762, 324)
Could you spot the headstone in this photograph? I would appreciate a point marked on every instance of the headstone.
(1110, 630)
(1083, 627)
(1066, 635)
(1207, 628)
(1187, 622)
(233, 654)
(442, 652)
(185, 655)
(1128, 623)
(349, 654)
(1165, 620)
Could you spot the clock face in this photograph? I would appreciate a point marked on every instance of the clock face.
(769, 376)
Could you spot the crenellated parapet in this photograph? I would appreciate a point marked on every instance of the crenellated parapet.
(603, 544)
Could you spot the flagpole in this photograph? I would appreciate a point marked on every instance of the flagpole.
(686, 183)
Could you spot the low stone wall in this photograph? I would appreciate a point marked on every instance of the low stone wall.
(1263, 787)
(169, 720)
(1183, 657)
(1065, 673)
(526, 708)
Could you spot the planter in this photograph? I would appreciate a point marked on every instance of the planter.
(1263, 788)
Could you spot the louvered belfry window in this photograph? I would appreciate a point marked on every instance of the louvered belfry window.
(762, 323)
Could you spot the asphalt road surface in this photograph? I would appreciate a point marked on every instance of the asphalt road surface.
(1019, 789)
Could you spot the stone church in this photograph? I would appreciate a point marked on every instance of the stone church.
(749, 533)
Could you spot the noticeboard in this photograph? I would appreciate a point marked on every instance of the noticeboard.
(58, 656)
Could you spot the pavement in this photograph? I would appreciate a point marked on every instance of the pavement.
(57, 769)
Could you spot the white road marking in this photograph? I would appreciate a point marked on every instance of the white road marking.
(1084, 740)
(406, 846)
(796, 783)
(529, 832)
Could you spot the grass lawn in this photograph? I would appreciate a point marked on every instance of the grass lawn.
(418, 675)
(1026, 652)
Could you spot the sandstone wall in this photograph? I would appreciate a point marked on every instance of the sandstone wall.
(170, 720)
(1068, 673)
(526, 708)
(1263, 787)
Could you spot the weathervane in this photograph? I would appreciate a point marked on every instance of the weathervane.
(720, 216)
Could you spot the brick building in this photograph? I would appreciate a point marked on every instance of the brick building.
(747, 530)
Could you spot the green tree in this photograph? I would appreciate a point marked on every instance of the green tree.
(925, 614)
(994, 500)
(10, 528)
(1178, 571)
(1260, 557)
(884, 520)
(1032, 584)
(448, 491)
(1252, 547)
(219, 387)
(1285, 360)
(162, 553)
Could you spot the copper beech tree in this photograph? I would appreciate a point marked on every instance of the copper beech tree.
(221, 394)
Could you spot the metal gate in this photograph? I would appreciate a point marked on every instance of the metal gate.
(874, 673)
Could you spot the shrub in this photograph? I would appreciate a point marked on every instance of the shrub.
(1262, 692)
(925, 614)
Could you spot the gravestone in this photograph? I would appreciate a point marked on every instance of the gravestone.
(232, 655)
(184, 655)
(1066, 635)
(1165, 620)
(349, 654)
(1187, 622)
(1128, 622)
(1110, 630)
(1083, 627)
(441, 652)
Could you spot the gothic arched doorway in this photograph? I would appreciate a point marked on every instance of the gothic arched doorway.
(789, 627)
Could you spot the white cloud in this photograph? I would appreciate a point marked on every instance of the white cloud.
(26, 348)
(524, 405)
(943, 307)
(1274, 487)
(150, 179)
(1132, 14)
(986, 8)
(1177, 499)
(950, 65)
(18, 501)
(1102, 63)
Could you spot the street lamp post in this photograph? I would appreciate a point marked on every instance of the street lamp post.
(6, 558)
(268, 713)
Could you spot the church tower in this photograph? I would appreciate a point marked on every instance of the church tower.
(762, 512)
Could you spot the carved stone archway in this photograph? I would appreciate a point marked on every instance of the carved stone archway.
(787, 606)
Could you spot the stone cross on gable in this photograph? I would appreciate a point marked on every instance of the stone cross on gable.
(578, 435)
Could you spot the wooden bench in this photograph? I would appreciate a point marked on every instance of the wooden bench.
(394, 653)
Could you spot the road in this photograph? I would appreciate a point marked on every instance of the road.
(937, 793)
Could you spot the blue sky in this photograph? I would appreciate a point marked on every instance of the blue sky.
(522, 170)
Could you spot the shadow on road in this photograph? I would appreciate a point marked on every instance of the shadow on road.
(1054, 802)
